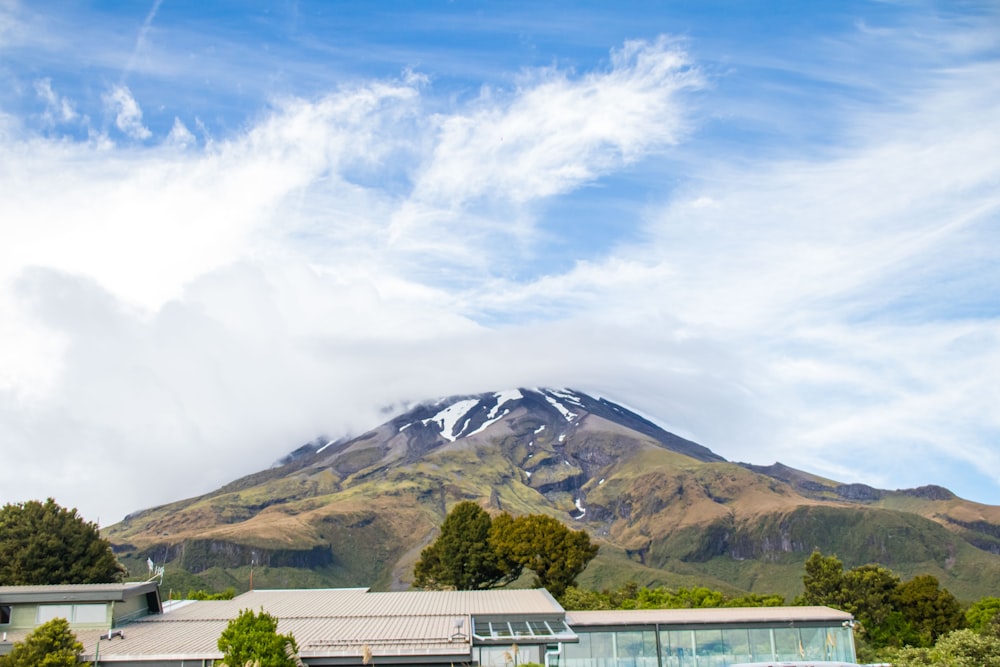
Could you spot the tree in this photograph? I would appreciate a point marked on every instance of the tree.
(867, 591)
(961, 648)
(823, 581)
(51, 644)
(43, 543)
(464, 557)
(544, 545)
(253, 639)
(981, 614)
(933, 611)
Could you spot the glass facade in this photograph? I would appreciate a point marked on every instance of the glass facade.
(707, 646)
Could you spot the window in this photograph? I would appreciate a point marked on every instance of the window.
(46, 612)
(4, 614)
(90, 613)
(74, 613)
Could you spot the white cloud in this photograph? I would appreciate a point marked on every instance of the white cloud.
(557, 132)
(58, 109)
(180, 136)
(128, 115)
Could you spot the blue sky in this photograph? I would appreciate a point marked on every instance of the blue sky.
(226, 228)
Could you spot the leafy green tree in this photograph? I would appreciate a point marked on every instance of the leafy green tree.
(933, 611)
(868, 592)
(578, 599)
(756, 600)
(43, 543)
(961, 648)
(630, 596)
(823, 580)
(556, 554)
(51, 644)
(464, 556)
(981, 614)
(202, 594)
(253, 639)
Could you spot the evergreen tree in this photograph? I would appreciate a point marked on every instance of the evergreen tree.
(43, 543)
(556, 554)
(823, 581)
(464, 557)
(253, 639)
(51, 644)
(933, 611)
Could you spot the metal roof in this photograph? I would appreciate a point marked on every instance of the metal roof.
(316, 637)
(347, 602)
(713, 616)
(336, 623)
(76, 592)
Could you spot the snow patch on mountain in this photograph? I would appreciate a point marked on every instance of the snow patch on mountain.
(448, 418)
(567, 415)
(504, 397)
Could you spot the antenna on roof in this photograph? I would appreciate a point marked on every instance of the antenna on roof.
(458, 633)
(154, 570)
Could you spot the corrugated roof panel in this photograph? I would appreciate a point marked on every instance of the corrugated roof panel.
(197, 639)
(359, 602)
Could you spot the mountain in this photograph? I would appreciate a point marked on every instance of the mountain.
(665, 510)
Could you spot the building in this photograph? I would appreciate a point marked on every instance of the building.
(709, 637)
(497, 628)
(85, 606)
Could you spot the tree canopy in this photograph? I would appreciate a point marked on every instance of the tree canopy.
(544, 545)
(252, 639)
(631, 596)
(464, 556)
(476, 551)
(892, 613)
(983, 613)
(51, 644)
(43, 543)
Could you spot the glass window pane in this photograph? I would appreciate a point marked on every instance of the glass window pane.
(760, 644)
(738, 642)
(813, 642)
(47, 612)
(601, 645)
(677, 647)
(629, 644)
(786, 644)
(839, 644)
(710, 648)
(90, 613)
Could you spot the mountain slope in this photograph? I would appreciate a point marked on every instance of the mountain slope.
(666, 510)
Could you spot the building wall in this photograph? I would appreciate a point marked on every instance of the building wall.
(22, 617)
(129, 610)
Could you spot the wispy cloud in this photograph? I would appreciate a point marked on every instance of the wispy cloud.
(127, 114)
